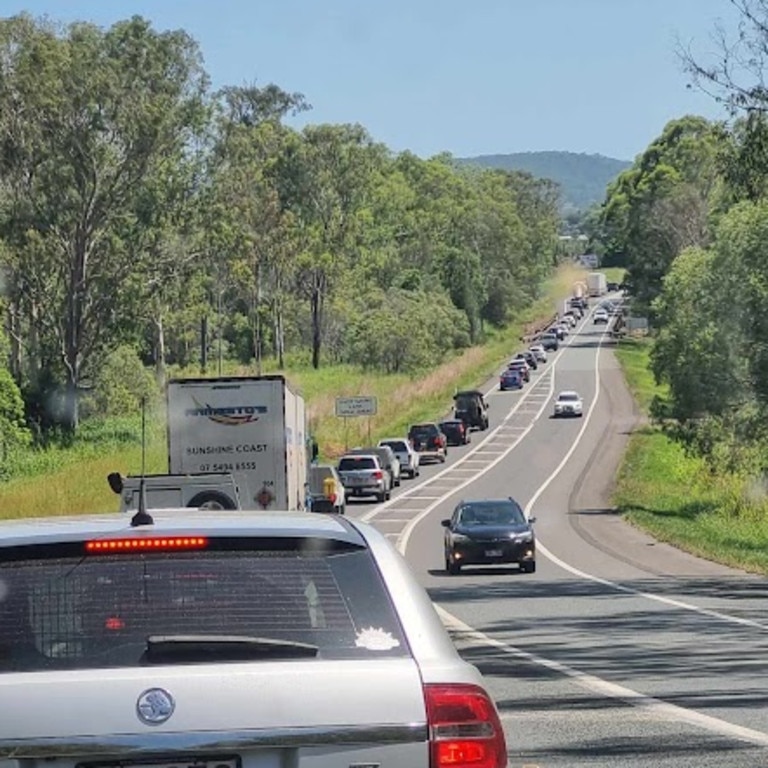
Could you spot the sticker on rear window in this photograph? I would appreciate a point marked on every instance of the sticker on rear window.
(375, 640)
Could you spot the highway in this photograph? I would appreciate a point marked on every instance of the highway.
(619, 650)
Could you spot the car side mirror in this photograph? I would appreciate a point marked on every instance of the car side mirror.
(445, 523)
(531, 520)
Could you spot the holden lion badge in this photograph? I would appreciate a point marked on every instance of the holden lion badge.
(155, 706)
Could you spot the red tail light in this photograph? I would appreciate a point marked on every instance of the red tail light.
(464, 728)
(378, 474)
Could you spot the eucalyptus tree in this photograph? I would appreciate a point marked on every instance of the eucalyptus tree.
(662, 204)
(87, 117)
(326, 176)
(255, 232)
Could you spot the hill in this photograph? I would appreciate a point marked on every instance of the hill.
(582, 178)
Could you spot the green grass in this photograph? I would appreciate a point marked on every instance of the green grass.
(676, 499)
(634, 355)
(613, 274)
(61, 481)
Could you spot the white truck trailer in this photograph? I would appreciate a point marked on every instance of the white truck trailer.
(238, 443)
(597, 284)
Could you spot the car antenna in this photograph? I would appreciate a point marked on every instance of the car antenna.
(142, 517)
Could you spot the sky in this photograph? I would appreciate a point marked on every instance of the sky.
(469, 78)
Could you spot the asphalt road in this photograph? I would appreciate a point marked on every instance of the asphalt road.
(619, 650)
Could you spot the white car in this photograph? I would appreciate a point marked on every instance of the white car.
(600, 315)
(185, 638)
(569, 403)
(539, 352)
(407, 456)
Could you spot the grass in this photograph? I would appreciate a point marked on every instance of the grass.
(60, 481)
(676, 499)
(613, 274)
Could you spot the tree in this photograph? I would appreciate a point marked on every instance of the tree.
(86, 117)
(662, 204)
(260, 236)
(736, 79)
(326, 179)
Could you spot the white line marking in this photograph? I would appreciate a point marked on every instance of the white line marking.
(591, 682)
(612, 690)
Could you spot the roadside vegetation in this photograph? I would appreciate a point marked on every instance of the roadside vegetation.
(194, 232)
(676, 497)
(62, 480)
(689, 222)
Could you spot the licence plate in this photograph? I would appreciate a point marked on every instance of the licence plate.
(189, 762)
(493, 553)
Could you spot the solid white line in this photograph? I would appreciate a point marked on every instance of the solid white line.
(605, 688)
(591, 682)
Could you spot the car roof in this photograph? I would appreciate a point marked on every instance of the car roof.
(488, 502)
(387, 440)
(569, 392)
(183, 521)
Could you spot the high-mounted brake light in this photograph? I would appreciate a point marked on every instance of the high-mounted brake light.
(148, 544)
(464, 728)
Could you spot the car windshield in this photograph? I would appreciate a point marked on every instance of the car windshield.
(568, 396)
(498, 514)
(271, 599)
(423, 430)
(399, 446)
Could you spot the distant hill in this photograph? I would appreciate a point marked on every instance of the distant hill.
(582, 178)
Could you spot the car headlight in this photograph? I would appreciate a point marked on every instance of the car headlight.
(523, 538)
(459, 537)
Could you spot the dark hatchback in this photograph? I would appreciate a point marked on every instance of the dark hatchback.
(489, 532)
(511, 379)
(455, 431)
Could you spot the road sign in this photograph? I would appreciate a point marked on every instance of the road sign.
(363, 405)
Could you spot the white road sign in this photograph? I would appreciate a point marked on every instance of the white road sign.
(362, 405)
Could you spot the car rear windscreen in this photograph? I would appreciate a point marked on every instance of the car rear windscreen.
(349, 464)
(100, 611)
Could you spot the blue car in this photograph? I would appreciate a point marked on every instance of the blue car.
(512, 378)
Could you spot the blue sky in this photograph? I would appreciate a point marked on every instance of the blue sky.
(482, 77)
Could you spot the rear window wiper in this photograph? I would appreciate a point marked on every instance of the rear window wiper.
(169, 649)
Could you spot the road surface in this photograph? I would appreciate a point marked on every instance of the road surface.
(619, 650)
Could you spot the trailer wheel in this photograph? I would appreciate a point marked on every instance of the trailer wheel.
(211, 500)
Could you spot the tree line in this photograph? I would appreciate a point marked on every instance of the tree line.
(141, 209)
(689, 220)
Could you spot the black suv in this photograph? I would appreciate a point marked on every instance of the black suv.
(470, 406)
(428, 441)
(455, 431)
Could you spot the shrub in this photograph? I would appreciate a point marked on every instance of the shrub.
(121, 383)
(13, 429)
